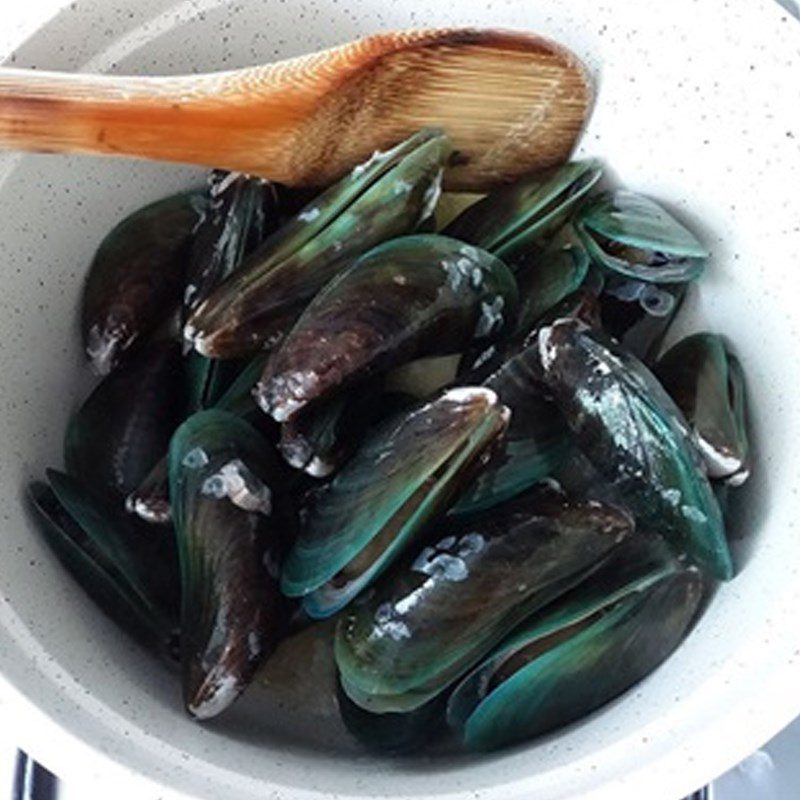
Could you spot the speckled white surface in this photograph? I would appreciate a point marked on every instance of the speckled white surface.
(699, 104)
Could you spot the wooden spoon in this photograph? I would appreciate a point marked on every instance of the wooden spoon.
(511, 102)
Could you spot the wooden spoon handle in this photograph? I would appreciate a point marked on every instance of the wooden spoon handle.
(510, 101)
(174, 119)
(244, 119)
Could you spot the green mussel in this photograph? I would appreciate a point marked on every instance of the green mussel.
(240, 211)
(412, 297)
(384, 198)
(123, 429)
(393, 733)
(404, 474)
(232, 525)
(136, 279)
(546, 277)
(445, 608)
(707, 383)
(512, 220)
(132, 578)
(235, 205)
(631, 234)
(636, 437)
(581, 651)
(323, 438)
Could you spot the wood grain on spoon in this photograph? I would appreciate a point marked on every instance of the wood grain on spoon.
(511, 102)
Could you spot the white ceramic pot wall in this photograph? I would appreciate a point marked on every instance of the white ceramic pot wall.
(699, 104)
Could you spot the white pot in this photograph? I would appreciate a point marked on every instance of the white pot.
(699, 105)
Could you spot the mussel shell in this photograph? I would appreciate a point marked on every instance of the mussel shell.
(582, 305)
(103, 540)
(241, 211)
(708, 387)
(137, 276)
(99, 576)
(638, 314)
(533, 445)
(412, 297)
(569, 662)
(124, 427)
(509, 221)
(633, 566)
(384, 198)
(633, 235)
(147, 559)
(722, 491)
(545, 278)
(220, 241)
(527, 454)
(579, 478)
(231, 529)
(441, 611)
(278, 204)
(636, 437)
(375, 507)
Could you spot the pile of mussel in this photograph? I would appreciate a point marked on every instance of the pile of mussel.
(456, 432)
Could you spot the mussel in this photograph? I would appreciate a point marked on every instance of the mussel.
(510, 221)
(707, 383)
(577, 476)
(631, 234)
(320, 439)
(137, 276)
(581, 651)
(123, 429)
(582, 305)
(403, 475)
(537, 440)
(232, 524)
(235, 205)
(411, 297)
(443, 609)
(131, 578)
(546, 277)
(384, 198)
(240, 210)
(636, 437)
